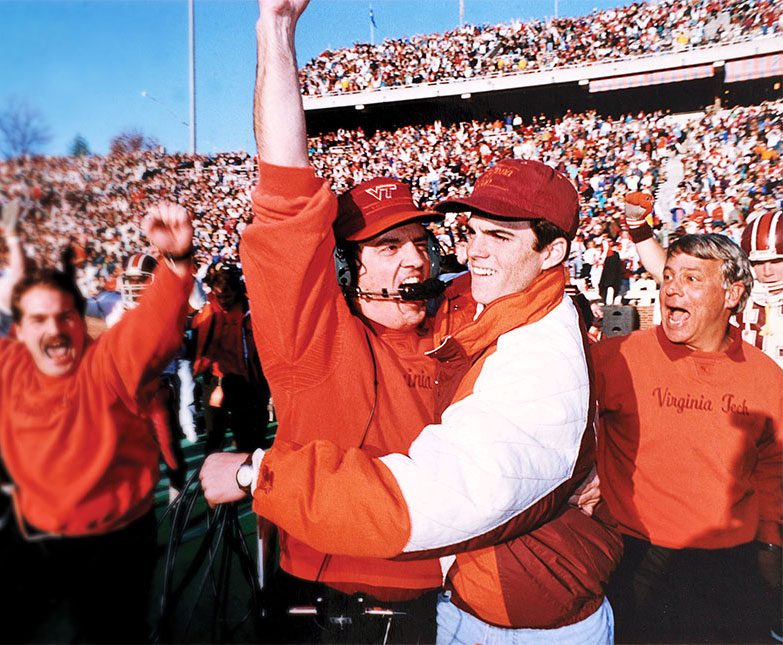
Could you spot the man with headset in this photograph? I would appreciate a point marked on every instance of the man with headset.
(370, 369)
(352, 371)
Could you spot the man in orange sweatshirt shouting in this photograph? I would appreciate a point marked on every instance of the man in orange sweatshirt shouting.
(79, 448)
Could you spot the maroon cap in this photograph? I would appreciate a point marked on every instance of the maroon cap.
(522, 189)
(375, 206)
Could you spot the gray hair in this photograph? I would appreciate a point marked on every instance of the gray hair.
(735, 266)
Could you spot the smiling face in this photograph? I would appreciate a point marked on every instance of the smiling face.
(695, 305)
(51, 329)
(393, 258)
(503, 259)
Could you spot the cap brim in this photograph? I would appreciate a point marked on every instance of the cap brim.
(392, 221)
(468, 204)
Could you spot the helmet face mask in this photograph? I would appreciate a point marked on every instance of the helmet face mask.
(138, 275)
(762, 238)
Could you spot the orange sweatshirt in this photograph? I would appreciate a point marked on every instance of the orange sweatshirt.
(489, 483)
(690, 442)
(321, 361)
(224, 346)
(83, 457)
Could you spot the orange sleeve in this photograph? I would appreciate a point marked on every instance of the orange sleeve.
(200, 324)
(146, 339)
(287, 258)
(341, 502)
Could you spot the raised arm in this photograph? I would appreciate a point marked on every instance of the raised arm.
(637, 207)
(147, 337)
(278, 115)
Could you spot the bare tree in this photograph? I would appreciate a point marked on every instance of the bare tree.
(23, 129)
(132, 141)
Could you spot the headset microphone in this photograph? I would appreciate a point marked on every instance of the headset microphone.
(427, 290)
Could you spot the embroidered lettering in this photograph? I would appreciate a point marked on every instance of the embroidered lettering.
(730, 405)
(668, 400)
(419, 380)
(487, 177)
(384, 191)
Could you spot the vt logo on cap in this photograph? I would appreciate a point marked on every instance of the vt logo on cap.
(384, 191)
(374, 206)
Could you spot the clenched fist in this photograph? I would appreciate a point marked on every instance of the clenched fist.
(167, 226)
(638, 205)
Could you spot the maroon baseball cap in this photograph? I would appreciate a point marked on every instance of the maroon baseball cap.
(375, 206)
(522, 189)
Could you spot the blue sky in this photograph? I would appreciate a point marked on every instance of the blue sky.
(85, 64)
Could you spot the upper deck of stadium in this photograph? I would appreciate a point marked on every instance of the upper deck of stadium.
(635, 46)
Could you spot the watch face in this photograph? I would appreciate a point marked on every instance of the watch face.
(245, 475)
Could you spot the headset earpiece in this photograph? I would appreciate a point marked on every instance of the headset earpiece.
(343, 268)
(434, 252)
(345, 271)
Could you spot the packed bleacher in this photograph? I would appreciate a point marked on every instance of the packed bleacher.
(730, 160)
(471, 51)
(110, 219)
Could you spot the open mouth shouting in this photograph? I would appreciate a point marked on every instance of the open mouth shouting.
(57, 348)
(677, 316)
(413, 279)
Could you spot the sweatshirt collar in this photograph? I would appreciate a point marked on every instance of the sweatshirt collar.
(504, 314)
(675, 351)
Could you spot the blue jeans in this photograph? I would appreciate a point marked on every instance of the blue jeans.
(456, 627)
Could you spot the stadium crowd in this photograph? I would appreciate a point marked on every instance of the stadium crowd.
(474, 51)
(481, 463)
(731, 163)
(96, 204)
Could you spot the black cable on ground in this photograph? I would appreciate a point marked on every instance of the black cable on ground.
(222, 546)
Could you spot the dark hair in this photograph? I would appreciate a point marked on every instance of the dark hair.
(225, 274)
(50, 279)
(546, 233)
(230, 279)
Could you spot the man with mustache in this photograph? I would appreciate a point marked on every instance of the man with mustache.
(79, 449)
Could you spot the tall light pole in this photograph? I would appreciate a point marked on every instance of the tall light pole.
(192, 61)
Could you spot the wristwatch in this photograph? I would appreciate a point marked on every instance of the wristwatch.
(245, 474)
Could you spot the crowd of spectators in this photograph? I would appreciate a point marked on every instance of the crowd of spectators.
(730, 159)
(471, 51)
(95, 205)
